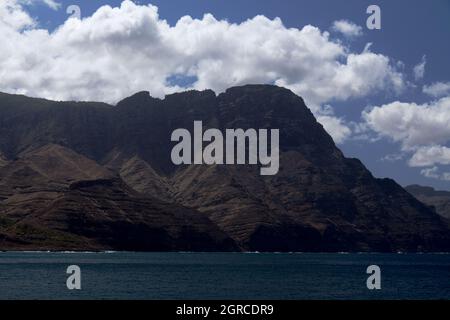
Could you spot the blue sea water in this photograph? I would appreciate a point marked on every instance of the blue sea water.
(130, 275)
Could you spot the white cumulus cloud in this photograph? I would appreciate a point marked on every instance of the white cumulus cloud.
(430, 155)
(13, 18)
(347, 28)
(430, 172)
(53, 4)
(423, 130)
(437, 89)
(118, 51)
(410, 123)
(434, 173)
(335, 127)
(419, 69)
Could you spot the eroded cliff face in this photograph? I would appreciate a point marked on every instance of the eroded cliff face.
(93, 176)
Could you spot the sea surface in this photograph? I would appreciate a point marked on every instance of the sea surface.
(130, 275)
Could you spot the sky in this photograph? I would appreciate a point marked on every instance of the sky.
(383, 95)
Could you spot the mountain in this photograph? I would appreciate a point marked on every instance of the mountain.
(439, 200)
(56, 199)
(114, 185)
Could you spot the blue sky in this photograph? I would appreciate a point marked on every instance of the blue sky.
(410, 31)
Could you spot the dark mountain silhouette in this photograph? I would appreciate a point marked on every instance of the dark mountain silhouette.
(93, 176)
(438, 200)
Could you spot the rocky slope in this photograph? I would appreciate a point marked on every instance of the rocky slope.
(123, 192)
(56, 199)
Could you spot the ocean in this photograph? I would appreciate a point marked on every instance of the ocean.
(132, 275)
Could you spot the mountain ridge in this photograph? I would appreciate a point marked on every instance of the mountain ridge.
(436, 199)
(319, 200)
